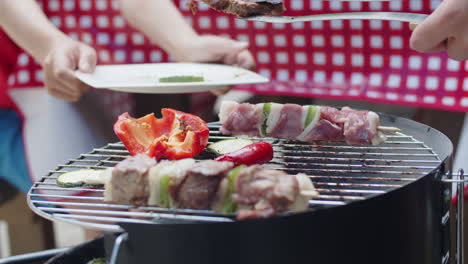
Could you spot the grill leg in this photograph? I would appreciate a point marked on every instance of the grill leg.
(460, 233)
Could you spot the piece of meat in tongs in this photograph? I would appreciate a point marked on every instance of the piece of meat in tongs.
(248, 191)
(244, 8)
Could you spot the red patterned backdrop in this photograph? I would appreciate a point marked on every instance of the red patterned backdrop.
(357, 60)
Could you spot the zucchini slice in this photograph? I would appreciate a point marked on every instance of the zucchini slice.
(228, 145)
(79, 178)
(181, 79)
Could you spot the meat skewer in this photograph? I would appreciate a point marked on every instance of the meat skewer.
(250, 192)
(303, 123)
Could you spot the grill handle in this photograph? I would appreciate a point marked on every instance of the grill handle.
(116, 249)
(460, 181)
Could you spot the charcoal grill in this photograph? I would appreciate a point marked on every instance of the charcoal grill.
(341, 174)
(395, 190)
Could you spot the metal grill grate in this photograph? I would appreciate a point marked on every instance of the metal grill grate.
(341, 174)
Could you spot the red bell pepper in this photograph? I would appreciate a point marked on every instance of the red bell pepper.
(256, 153)
(177, 135)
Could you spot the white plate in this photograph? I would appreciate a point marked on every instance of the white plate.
(144, 78)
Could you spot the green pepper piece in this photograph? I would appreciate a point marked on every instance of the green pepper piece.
(164, 192)
(312, 111)
(229, 205)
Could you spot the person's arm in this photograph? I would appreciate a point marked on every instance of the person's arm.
(25, 23)
(165, 26)
(160, 21)
(445, 29)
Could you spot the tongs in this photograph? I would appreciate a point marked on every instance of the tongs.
(413, 18)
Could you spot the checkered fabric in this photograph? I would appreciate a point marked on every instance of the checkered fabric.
(357, 60)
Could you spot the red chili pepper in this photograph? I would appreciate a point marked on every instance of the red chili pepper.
(176, 135)
(256, 153)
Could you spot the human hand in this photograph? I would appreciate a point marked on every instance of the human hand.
(64, 57)
(217, 50)
(445, 29)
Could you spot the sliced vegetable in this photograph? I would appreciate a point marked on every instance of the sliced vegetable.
(256, 153)
(176, 135)
(228, 145)
(273, 117)
(265, 114)
(181, 79)
(79, 178)
(311, 112)
(224, 203)
(164, 192)
(229, 205)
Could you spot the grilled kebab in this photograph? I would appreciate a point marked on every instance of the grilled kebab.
(250, 192)
(303, 123)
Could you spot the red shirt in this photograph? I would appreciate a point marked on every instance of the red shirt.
(8, 56)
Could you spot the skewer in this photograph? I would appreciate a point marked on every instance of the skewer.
(388, 129)
(309, 193)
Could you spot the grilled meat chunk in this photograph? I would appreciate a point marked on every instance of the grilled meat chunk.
(289, 124)
(240, 118)
(201, 184)
(360, 127)
(263, 192)
(211, 168)
(129, 181)
(246, 8)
